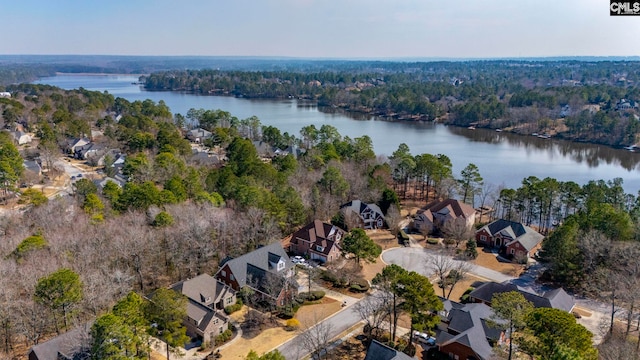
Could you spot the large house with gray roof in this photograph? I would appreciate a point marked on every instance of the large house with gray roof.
(206, 299)
(267, 270)
(467, 331)
(74, 344)
(370, 215)
(556, 299)
(515, 240)
(380, 351)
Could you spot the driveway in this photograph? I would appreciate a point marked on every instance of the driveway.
(418, 259)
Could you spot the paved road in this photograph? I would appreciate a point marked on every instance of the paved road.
(338, 322)
(418, 259)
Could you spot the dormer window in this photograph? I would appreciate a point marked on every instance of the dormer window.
(319, 248)
(280, 265)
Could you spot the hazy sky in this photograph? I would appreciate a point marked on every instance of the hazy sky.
(318, 28)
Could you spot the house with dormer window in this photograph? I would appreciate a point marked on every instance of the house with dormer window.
(206, 299)
(370, 215)
(267, 270)
(317, 241)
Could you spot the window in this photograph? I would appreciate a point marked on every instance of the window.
(233, 277)
(483, 238)
(280, 265)
(224, 273)
(319, 248)
(513, 251)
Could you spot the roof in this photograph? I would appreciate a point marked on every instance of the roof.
(204, 289)
(257, 262)
(66, 344)
(557, 299)
(452, 207)
(471, 329)
(358, 206)
(379, 351)
(319, 233)
(515, 231)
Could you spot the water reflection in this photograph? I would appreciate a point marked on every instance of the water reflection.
(590, 154)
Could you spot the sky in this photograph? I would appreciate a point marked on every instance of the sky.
(318, 28)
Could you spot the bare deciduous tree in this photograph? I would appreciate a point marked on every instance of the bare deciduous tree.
(448, 271)
(315, 336)
(393, 219)
(374, 311)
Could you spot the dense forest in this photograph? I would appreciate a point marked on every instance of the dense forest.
(576, 100)
(176, 218)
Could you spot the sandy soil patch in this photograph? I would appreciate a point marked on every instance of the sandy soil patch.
(490, 261)
(310, 314)
(266, 341)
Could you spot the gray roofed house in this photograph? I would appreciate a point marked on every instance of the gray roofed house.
(20, 137)
(379, 351)
(69, 346)
(207, 297)
(515, 240)
(198, 135)
(265, 151)
(466, 332)
(556, 299)
(266, 270)
(371, 217)
(33, 166)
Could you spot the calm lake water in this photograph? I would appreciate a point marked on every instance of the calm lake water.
(502, 158)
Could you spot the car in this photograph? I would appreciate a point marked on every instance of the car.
(79, 175)
(424, 338)
(297, 259)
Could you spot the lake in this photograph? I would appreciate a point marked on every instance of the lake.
(503, 158)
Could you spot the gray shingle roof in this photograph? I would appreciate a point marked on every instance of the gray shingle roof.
(516, 231)
(557, 299)
(258, 259)
(471, 329)
(65, 345)
(379, 351)
(204, 289)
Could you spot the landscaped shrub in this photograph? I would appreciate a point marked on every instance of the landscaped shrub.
(224, 337)
(292, 324)
(333, 278)
(465, 296)
(433, 241)
(316, 295)
(359, 285)
(233, 308)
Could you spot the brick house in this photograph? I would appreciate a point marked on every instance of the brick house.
(317, 241)
(514, 240)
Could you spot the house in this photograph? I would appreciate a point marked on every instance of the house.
(555, 299)
(294, 150)
(33, 166)
(90, 150)
(515, 240)
(624, 104)
(266, 270)
(380, 351)
(20, 137)
(198, 135)
(317, 241)
(204, 158)
(206, 299)
(467, 332)
(5, 94)
(438, 215)
(265, 151)
(74, 143)
(69, 346)
(371, 217)
(118, 180)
